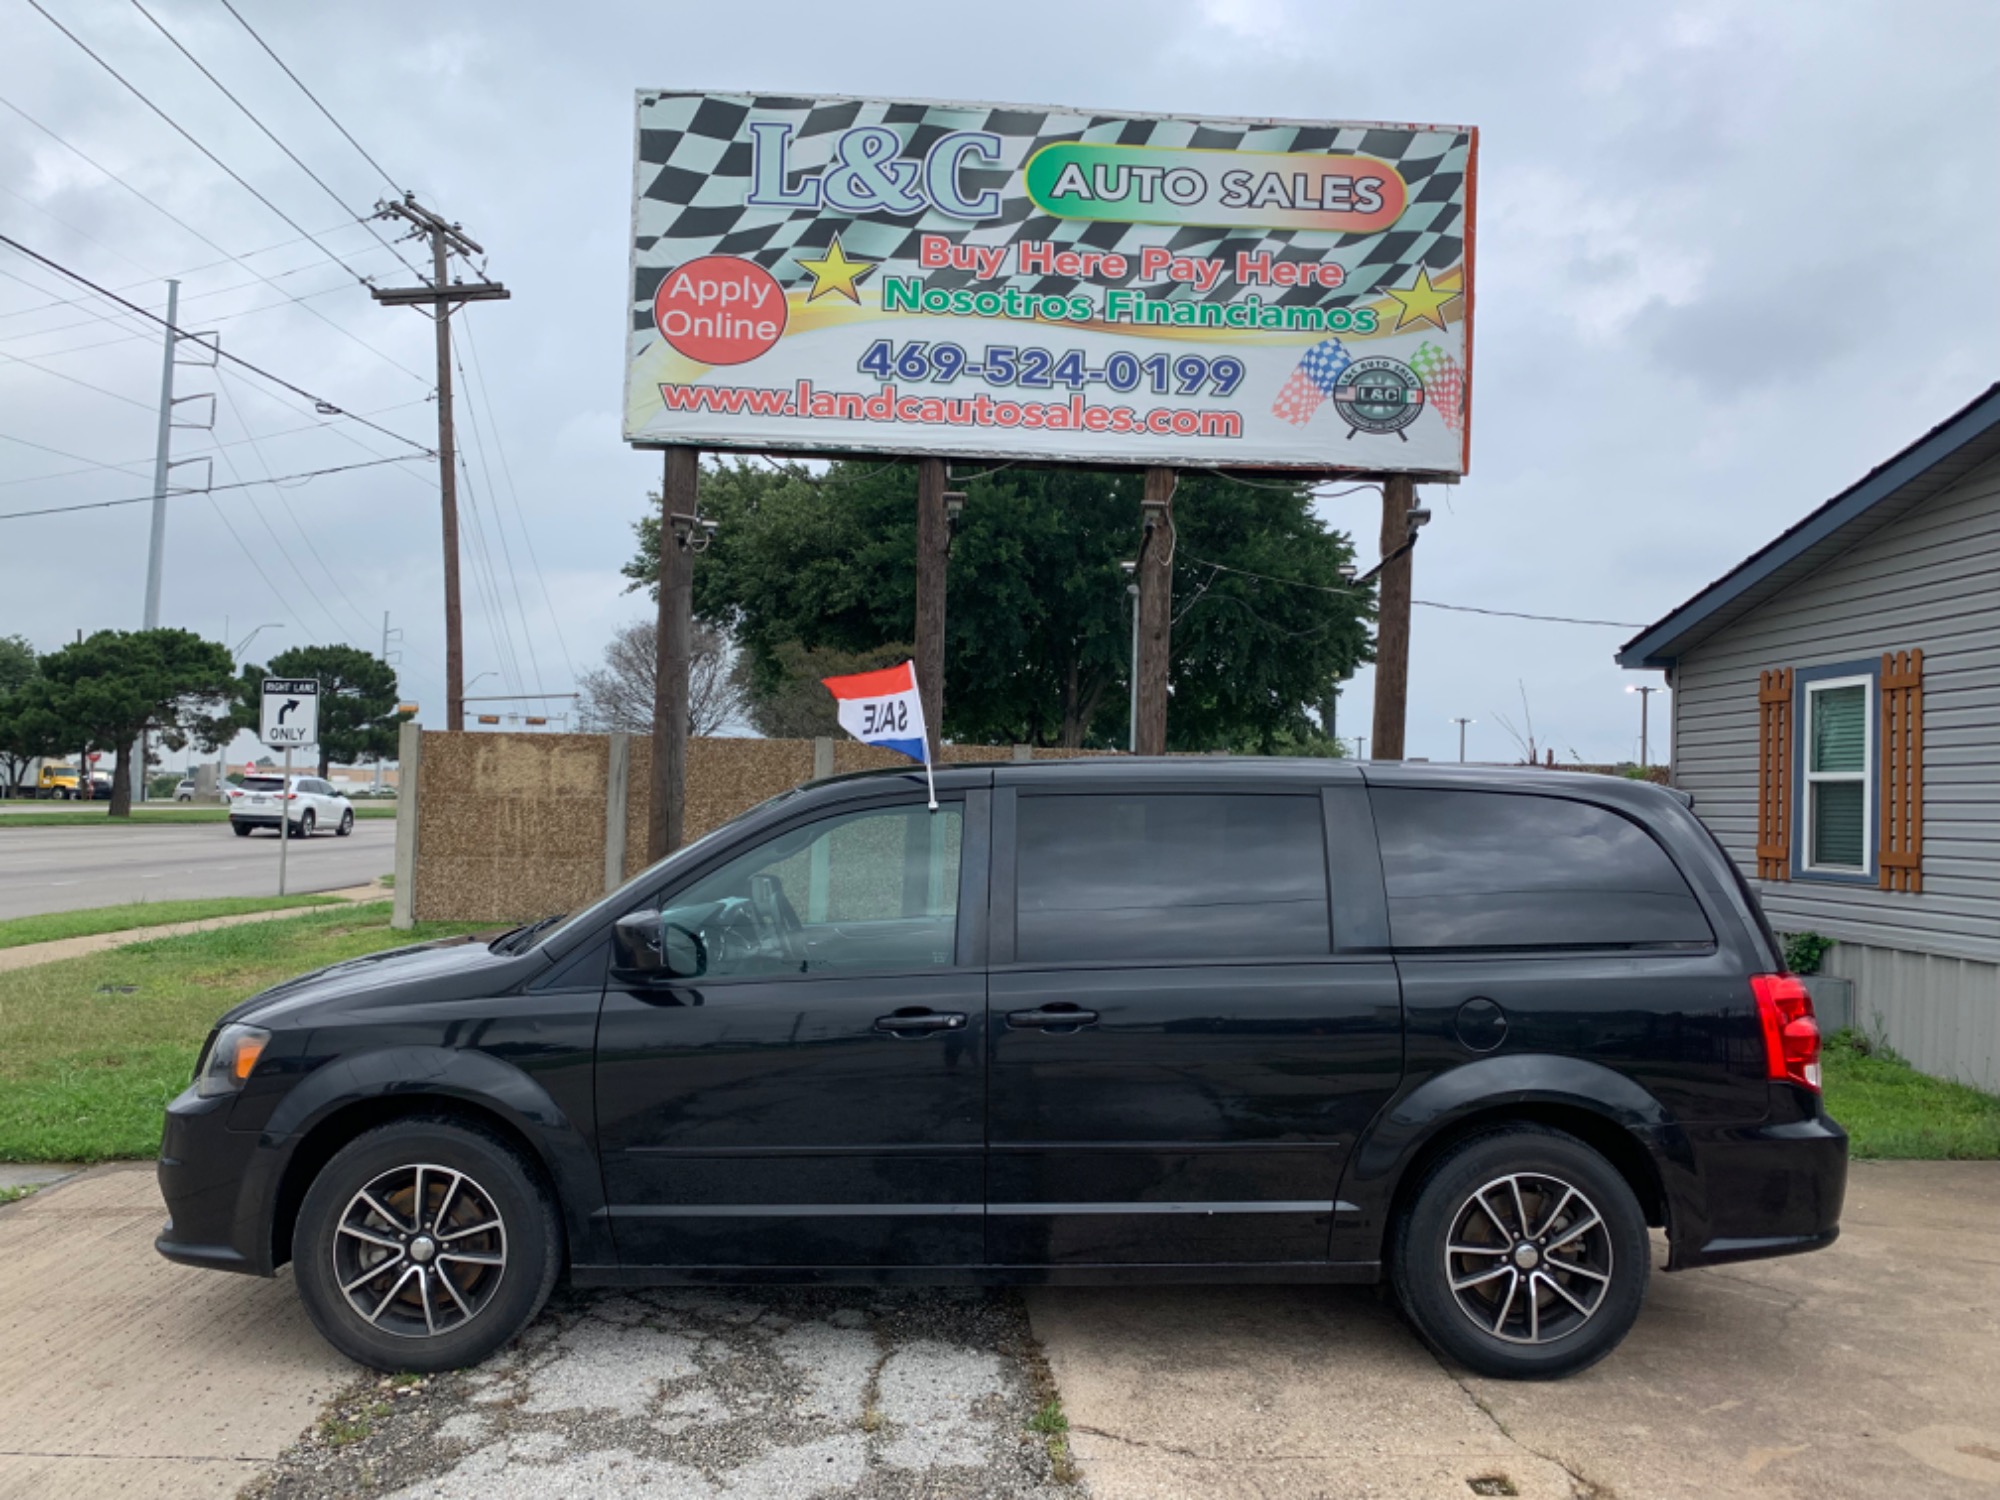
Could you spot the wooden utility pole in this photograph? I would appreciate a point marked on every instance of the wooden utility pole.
(679, 498)
(1156, 604)
(933, 533)
(1392, 621)
(443, 298)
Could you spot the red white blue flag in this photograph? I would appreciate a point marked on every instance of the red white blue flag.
(883, 708)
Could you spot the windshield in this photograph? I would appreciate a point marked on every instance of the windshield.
(262, 783)
(623, 897)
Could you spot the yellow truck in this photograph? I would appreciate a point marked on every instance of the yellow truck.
(56, 780)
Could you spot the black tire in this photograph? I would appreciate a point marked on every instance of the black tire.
(303, 829)
(1585, 1284)
(528, 1243)
(241, 830)
(346, 824)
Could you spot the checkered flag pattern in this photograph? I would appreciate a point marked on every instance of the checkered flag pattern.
(694, 163)
(1311, 383)
(1444, 383)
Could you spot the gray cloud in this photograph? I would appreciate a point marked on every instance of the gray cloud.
(1701, 229)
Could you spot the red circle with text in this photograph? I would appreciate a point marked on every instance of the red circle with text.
(720, 310)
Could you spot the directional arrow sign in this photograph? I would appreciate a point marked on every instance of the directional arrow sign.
(291, 712)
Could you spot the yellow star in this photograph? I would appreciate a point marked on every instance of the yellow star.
(834, 272)
(1420, 302)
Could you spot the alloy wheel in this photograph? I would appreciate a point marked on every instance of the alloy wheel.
(419, 1251)
(1528, 1258)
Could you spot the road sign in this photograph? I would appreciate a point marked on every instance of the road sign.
(291, 712)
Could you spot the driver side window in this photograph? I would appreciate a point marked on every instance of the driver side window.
(873, 891)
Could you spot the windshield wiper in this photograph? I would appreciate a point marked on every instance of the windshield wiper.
(517, 940)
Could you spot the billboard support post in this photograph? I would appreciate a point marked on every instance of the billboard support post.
(1156, 603)
(933, 532)
(1392, 620)
(680, 494)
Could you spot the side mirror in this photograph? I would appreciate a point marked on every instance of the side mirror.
(647, 948)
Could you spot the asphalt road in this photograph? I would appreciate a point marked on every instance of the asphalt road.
(63, 869)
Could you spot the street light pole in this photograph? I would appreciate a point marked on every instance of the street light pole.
(1461, 723)
(1645, 703)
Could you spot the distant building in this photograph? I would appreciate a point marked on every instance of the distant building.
(1836, 716)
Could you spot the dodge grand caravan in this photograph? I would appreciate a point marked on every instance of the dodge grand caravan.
(1095, 1021)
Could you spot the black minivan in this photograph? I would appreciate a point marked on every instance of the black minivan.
(1105, 1021)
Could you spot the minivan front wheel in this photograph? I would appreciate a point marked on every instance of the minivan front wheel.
(1524, 1255)
(425, 1245)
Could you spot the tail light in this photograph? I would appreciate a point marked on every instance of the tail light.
(291, 796)
(1791, 1032)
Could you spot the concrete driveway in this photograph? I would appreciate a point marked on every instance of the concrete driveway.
(1869, 1370)
(122, 1375)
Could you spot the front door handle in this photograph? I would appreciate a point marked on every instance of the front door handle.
(912, 1022)
(1059, 1017)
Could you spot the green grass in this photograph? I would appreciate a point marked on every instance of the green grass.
(100, 816)
(1892, 1112)
(95, 919)
(91, 1049)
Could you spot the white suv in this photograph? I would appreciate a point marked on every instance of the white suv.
(312, 804)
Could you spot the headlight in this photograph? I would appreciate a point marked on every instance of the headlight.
(231, 1060)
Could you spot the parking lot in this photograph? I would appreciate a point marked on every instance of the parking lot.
(1864, 1371)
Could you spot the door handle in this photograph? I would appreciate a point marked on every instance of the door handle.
(1059, 1017)
(910, 1022)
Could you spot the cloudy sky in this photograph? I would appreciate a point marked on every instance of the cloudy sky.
(1730, 257)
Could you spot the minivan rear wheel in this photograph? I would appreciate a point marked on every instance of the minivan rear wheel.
(425, 1245)
(1524, 1255)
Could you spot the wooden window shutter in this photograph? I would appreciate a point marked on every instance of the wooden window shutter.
(1902, 847)
(1774, 774)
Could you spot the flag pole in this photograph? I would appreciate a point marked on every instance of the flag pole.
(929, 779)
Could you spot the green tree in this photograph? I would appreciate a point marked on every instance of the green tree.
(357, 700)
(17, 748)
(1038, 633)
(110, 688)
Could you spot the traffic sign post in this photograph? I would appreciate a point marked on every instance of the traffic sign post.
(289, 718)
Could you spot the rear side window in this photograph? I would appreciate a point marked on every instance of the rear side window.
(1501, 870)
(1167, 877)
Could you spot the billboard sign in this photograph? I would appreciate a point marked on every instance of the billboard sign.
(864, 275)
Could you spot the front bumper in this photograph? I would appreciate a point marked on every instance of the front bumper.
(215, 1206)
(1766, 1190)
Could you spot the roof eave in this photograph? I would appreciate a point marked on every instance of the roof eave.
(1661, 645)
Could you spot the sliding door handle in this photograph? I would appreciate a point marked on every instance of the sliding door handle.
(915, 1022)
(1059, 1017)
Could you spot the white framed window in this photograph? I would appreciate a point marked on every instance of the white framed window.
(1840, 775)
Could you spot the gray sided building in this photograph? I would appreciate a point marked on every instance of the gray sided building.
(1836, 717)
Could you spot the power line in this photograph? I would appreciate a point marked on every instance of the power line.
(318, 553)
(500, 524)
(268, 132)
(120, 467)
(507, 471)
(393, 184)
(1515, 614)
(215, 489)
(285, 299)
(182, 131)
(271, 531)
(326, 408)
(19, 359)
(174, 218)
(1471, 609)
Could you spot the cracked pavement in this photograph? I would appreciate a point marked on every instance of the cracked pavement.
(1861, 1371)
(705, 1394)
